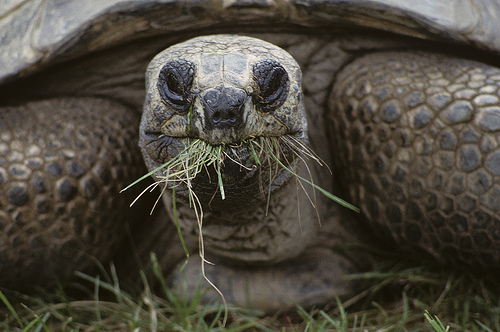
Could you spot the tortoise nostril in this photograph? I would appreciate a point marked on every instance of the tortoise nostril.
(224, 116)
(223, 106)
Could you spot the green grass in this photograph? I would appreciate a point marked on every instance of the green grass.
(393, 297)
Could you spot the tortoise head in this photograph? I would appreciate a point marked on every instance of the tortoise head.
(239, 94)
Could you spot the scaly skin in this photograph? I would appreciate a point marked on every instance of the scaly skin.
(418, 136)
(62, 165)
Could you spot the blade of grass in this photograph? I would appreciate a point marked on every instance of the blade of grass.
(147, 175)
(96, 300)
(174, 208)
(219, 173)
(484, 327)
(436, 323)
(11, 309)
(255, 156)
(38, 319)
(43, 323)
(321, 190)
(156, 169)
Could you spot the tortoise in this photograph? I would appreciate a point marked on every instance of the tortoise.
(401, 100)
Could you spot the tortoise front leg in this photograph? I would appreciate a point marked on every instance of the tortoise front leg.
(313, 278)
(417, 139)
(62, 165)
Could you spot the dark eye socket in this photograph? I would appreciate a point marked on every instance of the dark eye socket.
(174, 83)
(272, 80)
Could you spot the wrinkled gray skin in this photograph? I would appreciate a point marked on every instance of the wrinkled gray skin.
(410, 129)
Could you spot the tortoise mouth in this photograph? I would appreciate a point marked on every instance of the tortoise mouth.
(249, 171)
(227, 177)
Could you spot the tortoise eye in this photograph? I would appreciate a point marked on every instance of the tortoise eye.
(174, 83)
(272, 81)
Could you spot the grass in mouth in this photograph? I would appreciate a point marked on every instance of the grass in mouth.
(199, 155)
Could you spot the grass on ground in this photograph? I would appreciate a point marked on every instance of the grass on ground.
(393, 297)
